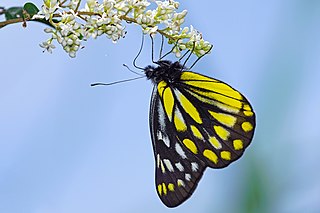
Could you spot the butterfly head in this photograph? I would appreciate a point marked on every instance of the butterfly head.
(165, 71)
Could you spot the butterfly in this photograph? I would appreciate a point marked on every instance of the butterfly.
(195, 122)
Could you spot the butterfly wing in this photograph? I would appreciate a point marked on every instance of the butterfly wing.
(177, 171)
(218, 119)
(196, 122)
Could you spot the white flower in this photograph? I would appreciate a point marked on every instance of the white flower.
(72, 54)
(65, 29)
(50, 3)
(38, 15)
(48, 30)
(48, 9)
(73, 4)
(150, 30)
(70, 28)
(47, 46)
(91, 6)
(108, 5)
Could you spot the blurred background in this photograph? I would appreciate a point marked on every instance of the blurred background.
(67, 147)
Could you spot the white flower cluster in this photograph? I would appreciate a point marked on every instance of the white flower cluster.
(72, 25)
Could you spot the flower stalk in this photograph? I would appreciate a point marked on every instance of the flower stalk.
(72, 25)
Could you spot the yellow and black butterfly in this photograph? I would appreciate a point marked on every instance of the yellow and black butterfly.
(196, 122)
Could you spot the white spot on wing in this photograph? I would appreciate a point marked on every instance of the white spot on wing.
(158, 161)
(226, 107)
(161, 116)
(188, 177)
(180, 151)
(179, 115)
(180, 182)
(177, 93)
(179, 166)
(168, 165)
(162, 136)
(194, 166)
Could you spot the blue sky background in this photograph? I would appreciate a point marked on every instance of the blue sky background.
(67, 147)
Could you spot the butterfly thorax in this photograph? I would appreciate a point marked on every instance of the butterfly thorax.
(167, 71)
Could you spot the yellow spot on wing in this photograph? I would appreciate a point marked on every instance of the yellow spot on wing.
(227, 100)
(189, 76)
(225, 89)
(222, 132)
(160, 189)
(223, 118)
(162, 167)
(190, 145)
(196, 132)
(222, 106)
(222, 98)
(237, 144)
(214, 141)
(189, 108)
(161, 86)
(226, 155)
(210, 155)
(168, 101)
(215, 88)
(171, 187)
(248, 113)
(164, 188)
(180, 182)
(247, 110)
(246, 126)
(210, 84)
(179, 123)
(247, 107)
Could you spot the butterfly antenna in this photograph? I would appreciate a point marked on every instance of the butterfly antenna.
(161, 48)
(184, 55)
(137, 73)
(194, 63)
(135, 59)
(194, 45)
(152, 50)
(116, 82)
(176, 44)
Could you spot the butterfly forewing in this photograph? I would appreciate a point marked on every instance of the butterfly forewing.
(227, 120)
(196, 122)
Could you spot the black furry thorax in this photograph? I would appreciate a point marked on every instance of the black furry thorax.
(166, 70)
